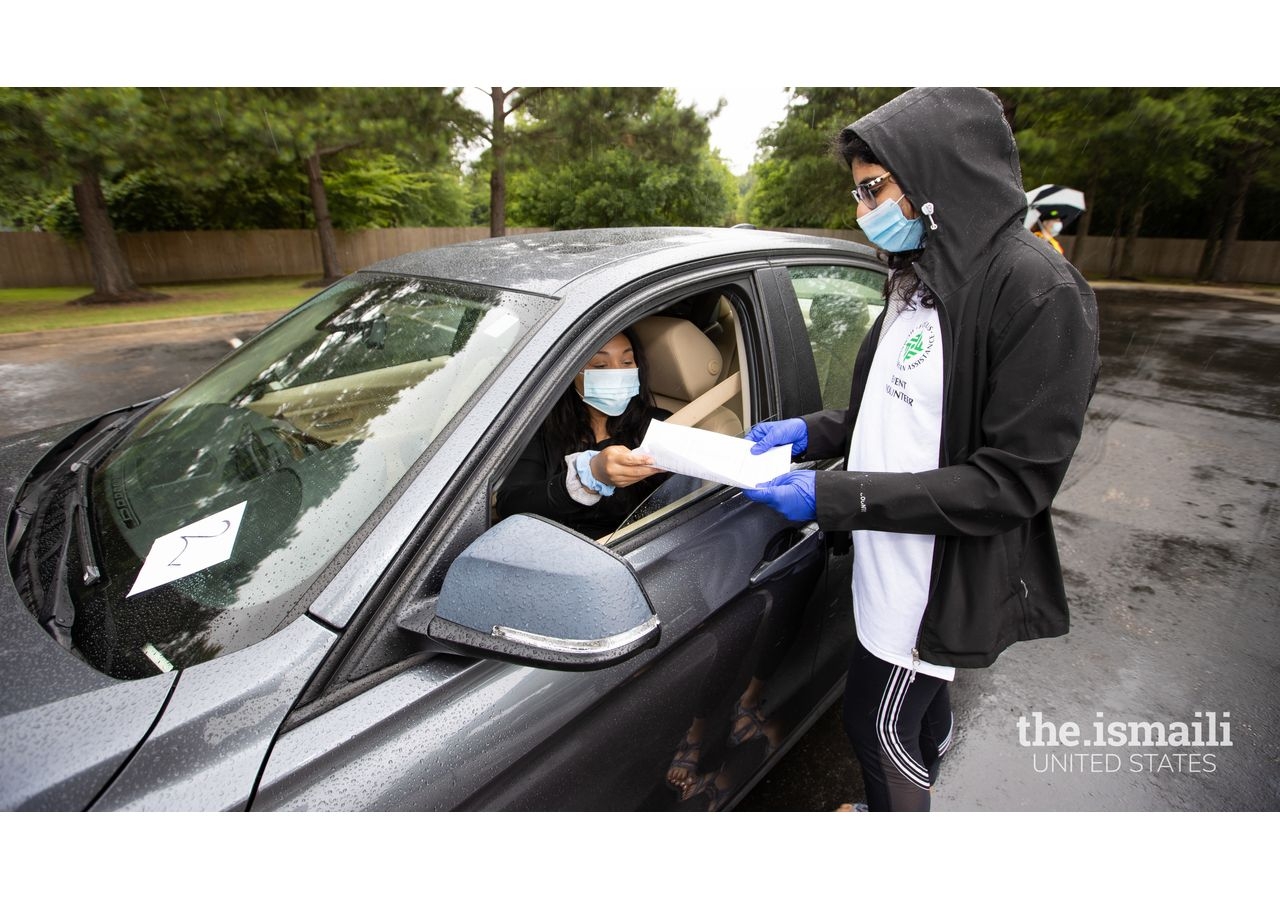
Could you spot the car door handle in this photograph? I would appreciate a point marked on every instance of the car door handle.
(786, 558)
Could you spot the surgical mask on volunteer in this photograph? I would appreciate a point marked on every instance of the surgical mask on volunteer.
(1054, 228)
(610, 390)
(887, 228)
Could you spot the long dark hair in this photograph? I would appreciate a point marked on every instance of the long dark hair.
(568, 429)
(903, 281)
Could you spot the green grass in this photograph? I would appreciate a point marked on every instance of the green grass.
(43, 309)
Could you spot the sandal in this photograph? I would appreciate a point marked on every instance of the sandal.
(748, 724)
(686, 761)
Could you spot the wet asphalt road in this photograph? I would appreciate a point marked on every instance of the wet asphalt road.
(1167, 528)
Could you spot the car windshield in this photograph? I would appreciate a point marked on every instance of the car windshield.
(227, 500)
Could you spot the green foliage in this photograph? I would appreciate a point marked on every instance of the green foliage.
(50, 138)
(1130, 148)
(378, 192)
(615, 187)
(1169, 151)
(218, 158)
(597, 157)
(797, 181)
(476, 192)
(387, 154)
(225, 158)
(62, 133)
(273, 195)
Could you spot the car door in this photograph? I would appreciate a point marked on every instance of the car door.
(838, 301)
(397, 724)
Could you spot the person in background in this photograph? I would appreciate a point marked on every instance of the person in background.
(1048, 230)
(1051, 208)
(968, 399)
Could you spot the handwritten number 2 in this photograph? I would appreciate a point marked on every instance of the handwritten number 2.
(188, 538)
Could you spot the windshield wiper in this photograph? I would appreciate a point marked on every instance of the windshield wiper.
(57, 611)
(54, 607)
(88, 559)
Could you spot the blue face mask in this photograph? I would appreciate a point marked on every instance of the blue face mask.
(887, 228)
(610, 390)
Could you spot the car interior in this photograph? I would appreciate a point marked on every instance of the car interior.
(694, 348)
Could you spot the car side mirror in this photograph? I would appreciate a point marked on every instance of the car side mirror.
(531, 591)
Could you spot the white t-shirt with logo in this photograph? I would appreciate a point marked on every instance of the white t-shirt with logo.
(899, 429)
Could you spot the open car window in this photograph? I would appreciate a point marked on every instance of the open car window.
(731, 418)
(692, 349)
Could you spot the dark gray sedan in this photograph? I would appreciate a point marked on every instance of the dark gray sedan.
(287, 586)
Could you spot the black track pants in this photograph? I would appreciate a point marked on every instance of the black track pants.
(900, 727)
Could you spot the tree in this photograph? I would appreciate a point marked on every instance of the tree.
(54, 137)
(1059, 134)
(595, 157)
(797, 180)
(311, 127)
(1248, 133)
(1128, 149)
(499, 143)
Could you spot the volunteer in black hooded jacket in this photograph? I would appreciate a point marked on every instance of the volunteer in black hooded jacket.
(1019, 333)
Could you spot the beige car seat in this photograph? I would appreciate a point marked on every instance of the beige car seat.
(683, 365)
(724, 334)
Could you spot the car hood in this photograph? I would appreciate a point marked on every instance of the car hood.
(65, 728)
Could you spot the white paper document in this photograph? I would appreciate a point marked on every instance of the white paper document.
(192, 548)
(715, 457)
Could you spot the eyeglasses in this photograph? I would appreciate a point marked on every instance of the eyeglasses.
(865, 193)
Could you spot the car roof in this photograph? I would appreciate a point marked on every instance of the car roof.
(546, 263)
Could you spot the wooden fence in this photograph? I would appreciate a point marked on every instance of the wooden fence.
(30, 259)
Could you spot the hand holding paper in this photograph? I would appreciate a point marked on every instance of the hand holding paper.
(771, 434)
(621, 467)
(715, 457)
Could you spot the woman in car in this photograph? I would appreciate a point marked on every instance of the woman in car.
(579, 469)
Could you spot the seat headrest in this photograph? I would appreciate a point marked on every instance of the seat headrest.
(683, 363)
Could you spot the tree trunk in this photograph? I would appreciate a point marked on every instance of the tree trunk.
(112, 279)
(1113, 266)
(498, 176)
(1213, 237)
(1131, 241)
(324, 224)
(1082, 232)
(1241, 184)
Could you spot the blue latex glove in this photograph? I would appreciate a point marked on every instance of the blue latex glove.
(791, 494)
(775, 434)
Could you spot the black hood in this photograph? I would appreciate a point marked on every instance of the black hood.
(953, 148)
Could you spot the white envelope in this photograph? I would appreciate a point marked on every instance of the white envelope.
(715, 457)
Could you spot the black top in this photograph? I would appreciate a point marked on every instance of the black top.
(537, 485)
(1019, 332)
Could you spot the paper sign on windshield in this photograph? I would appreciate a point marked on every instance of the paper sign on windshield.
(190, 549)
(715, 457)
